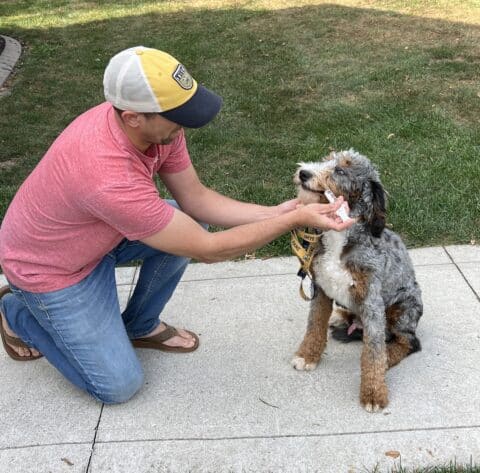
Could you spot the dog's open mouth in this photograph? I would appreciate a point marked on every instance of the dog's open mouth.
(308, 189)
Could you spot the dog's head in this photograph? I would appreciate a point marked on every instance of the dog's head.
(351, 175)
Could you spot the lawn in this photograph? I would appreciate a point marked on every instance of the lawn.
(451, 468)
(397, 80)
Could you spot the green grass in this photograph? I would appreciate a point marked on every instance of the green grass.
(397, 80)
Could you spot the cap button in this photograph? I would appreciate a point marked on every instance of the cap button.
(139, 52)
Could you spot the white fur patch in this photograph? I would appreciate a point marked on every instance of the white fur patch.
(317, 168)
(330, 273)
(299, 364)
(372, 408)
(336, 319)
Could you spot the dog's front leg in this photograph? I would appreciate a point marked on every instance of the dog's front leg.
(311, 349)
(373, 389)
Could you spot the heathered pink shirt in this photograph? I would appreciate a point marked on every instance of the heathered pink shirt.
(90, 190)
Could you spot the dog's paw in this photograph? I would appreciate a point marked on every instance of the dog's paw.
(300, 364)
(372, 407)
(375, 402)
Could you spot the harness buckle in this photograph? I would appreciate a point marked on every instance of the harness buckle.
(303, 246)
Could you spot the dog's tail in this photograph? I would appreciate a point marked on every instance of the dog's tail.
(415, 344)
(402, 345)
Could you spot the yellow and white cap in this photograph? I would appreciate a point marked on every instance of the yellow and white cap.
(147, 80)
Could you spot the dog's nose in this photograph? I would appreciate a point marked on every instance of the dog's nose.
(304, 175)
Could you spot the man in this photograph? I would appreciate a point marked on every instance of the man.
(91, 204)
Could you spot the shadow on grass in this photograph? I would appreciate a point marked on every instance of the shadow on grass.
(296, 83)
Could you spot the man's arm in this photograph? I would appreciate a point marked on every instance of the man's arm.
(206, 205)
(185, 237)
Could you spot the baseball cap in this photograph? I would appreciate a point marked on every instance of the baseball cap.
(148, 80)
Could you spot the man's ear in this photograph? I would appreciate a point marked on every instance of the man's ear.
(130, 118)
(377, 222)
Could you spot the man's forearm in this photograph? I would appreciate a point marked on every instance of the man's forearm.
(244, 238)
(216, 209)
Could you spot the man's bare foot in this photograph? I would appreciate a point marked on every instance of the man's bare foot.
(184, 339)
(21, 351)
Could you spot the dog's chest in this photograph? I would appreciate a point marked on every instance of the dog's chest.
(330, 273)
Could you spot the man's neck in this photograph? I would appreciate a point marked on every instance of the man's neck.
(132, 136)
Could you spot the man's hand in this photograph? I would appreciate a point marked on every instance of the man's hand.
(286, 206)
(323, 216)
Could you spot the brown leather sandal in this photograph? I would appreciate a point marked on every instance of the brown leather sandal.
(8, 340)
(157, 341)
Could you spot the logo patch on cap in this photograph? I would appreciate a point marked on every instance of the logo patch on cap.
(182, 77)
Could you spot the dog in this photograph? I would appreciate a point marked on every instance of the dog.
(365, 270)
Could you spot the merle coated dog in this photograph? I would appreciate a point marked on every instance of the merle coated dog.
(365, 269)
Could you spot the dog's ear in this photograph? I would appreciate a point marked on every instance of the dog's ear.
(377, 221)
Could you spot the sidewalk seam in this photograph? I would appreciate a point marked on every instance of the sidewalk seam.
(293, 273)
(253, 437)
(94, 439)
(41, 445)
(132, 282)
(259, 437)
(463, 275)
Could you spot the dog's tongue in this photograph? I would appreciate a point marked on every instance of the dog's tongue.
(352, 328)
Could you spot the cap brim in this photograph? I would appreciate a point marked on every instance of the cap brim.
(198, 111)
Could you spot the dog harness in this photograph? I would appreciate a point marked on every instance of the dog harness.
(303, 245)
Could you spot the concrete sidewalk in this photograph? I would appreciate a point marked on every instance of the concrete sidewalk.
(236, 405)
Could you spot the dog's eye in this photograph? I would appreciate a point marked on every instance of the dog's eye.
(340, 171)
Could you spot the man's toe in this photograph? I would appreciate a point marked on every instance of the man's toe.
(185, 334)
(185, 339)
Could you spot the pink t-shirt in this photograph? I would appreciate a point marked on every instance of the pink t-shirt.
(91, 189)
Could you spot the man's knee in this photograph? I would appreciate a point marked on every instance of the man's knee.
(120, 387)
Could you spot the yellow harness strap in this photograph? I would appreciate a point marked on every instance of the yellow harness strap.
(303, 246)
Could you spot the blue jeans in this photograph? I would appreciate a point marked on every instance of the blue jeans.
(81, 330)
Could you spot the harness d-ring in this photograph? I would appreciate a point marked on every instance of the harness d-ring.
(303, 245)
